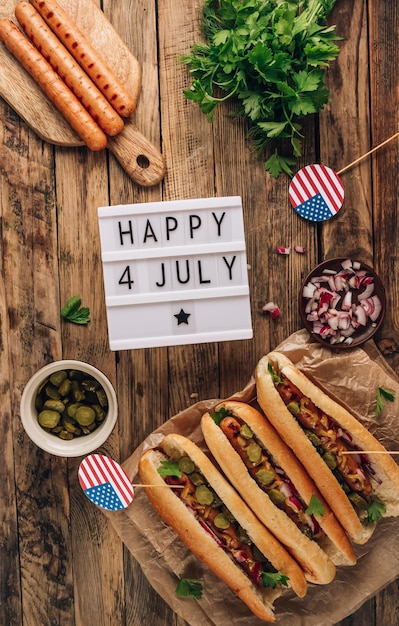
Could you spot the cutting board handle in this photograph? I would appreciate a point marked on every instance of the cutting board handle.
(138, 157)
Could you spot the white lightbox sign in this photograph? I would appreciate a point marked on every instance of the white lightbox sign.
(175, 272)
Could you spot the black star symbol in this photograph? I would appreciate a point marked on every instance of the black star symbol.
(182, 317)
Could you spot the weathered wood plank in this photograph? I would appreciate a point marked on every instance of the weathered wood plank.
(370, 230)
(10, 589)
(188, 143)
(29, 241)
(345, 136)
(364, 615)
(142, 375)
(98, 551)
(384, 22)
(96, 563)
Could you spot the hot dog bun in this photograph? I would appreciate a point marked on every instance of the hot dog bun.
(374, 478)
(175, 513)
(315, 556)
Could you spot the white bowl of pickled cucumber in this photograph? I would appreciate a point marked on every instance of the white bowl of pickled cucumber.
(69, 408)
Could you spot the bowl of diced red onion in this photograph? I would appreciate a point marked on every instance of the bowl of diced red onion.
(342, 303)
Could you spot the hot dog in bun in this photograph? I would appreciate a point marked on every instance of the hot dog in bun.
(359, 488)
(277, 488)
(216, 525)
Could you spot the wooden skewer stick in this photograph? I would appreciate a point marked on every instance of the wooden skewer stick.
(368, 153)
(369, 452)
(165, 485)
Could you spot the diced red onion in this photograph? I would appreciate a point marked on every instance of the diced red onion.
(240, 556)
(282, 250)
(367, 292)
(368, 305)
(300, 249)
(312, 316)
(296, 503)
(317, 326)
(333, 322)
(210, 532)
(271, 308)
(340, 283)
(361, 472)
(255, 574)
(347, 301)
(344, 321)
(308, 290)
(313, 523)
(331, 283)
(337, 303)
(286, 490)
(348, 332)
(361, 316)
(345, 435)
(325, 331)
(347, 264)
(377, 310)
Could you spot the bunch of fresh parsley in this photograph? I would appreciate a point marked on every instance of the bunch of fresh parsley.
(271, 57)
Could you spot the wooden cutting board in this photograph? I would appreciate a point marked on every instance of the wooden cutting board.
(141, 160)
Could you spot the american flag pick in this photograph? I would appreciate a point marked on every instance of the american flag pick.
(105, 483)
(316, 193)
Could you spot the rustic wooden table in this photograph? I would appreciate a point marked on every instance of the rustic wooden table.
(61, 561)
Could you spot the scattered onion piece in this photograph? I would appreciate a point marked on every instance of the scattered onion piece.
(300, 249)
(283, 250)
(271, 308)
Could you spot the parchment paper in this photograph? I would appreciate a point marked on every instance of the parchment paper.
(352, 377)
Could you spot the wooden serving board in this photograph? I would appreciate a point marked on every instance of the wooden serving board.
(141, 160)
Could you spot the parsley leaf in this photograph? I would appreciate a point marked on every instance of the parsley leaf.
(169, 468)
(73, 312)
(189, 588)
(270, 579)
(271, 58)
(315, 507)
(382, 395)
(375, 511)
(277, 164)
(219, 415)
(276, 378)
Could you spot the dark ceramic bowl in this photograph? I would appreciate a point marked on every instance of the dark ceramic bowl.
(346, 306)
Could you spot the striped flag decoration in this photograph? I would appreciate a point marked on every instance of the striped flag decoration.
(316, 193)
(105, 483)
